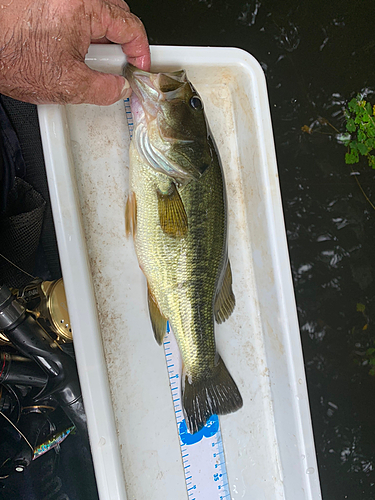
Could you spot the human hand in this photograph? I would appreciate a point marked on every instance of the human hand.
(43, 44)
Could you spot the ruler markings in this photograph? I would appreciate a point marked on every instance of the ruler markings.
(129, 116)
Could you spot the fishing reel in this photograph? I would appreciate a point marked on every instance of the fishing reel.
(46, 301)
(40, 395)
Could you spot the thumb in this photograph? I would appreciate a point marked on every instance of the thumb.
(95, 87)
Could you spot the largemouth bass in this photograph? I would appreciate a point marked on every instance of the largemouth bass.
(177, 213)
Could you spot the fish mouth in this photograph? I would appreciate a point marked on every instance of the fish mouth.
(152, 88)
(141, 83)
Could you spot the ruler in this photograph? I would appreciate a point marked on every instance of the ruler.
(129, 116)
(202, 453)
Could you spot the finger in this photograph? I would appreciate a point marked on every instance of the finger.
(142, 62)
(137, 54)
(98, 88)
(121, 26)
(120, 3)
(100, 41)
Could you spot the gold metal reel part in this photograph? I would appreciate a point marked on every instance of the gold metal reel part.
(55, 309)
(52, 308)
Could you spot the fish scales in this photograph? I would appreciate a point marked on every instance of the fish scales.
(178, 271)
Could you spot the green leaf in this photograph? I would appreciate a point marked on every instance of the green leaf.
(372, 372)
(350, 125)
(351, 158)
(370, 351)
(359, 119)
(361, 136)
(372, 361)
(361, 308)
(362, 148)
(353, 105)
(371, 161)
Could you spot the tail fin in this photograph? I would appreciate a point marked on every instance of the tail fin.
(216, 394)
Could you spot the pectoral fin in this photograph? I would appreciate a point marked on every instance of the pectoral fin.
(158, 321)
(172, 215)
(131, 215)
(225, 300)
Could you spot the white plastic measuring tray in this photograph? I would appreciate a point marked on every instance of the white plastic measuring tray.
(268, 444)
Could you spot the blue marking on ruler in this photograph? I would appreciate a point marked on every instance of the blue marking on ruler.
(209, 430)
(129, 117)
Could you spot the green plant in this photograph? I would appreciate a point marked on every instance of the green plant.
(360, 135)
(360, 123)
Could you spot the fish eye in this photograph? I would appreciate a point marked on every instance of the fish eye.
(196, 103)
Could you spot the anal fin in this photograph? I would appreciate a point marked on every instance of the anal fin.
(172, 215)
(158, 321)
(225, 300)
